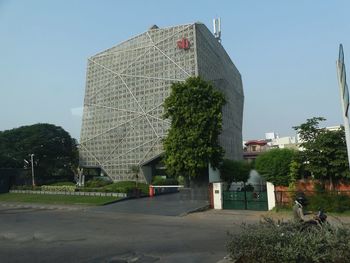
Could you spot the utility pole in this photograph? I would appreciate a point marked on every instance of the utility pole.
(32, 162)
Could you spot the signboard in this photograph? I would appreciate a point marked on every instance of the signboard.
(344, 96)
(346, 100)
(183, 43)
(342, 80)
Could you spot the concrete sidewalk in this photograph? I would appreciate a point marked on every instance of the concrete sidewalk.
(256, 216)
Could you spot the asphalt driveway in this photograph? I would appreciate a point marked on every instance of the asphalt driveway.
(166, 205)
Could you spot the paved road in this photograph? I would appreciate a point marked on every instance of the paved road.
(40, 235)
(166, 205)
(140, 230)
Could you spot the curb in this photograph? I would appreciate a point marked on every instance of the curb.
(41, 206)
(117, 201)
(225, 260)
(125, 199)
(195, 210)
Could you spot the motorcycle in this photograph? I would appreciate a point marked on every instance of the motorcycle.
(319, 220)
(321, 216)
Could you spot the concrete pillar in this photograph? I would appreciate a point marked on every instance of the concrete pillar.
(271, 200)
(218, 192)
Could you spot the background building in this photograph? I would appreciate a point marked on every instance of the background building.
(253, 148)
(125, 89)
(275, 141)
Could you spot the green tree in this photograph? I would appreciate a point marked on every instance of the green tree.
(55, 151)
(324, 152)
(234, 171)
(195, 110)
(274, 166)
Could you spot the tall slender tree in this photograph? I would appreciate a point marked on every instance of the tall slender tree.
(194, 108)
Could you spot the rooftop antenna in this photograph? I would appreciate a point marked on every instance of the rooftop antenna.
(217, 28)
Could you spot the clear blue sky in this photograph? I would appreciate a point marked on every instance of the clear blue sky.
(285, 51)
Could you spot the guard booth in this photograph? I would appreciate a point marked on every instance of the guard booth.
(4, 183)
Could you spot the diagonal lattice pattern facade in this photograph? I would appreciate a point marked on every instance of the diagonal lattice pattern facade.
(125, 89)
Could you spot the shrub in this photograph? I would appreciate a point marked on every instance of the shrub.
(98, 182)
(125, 187)
(26, 187)
(274, 165)
(62, 188)
(89, 189)
(158, 180)
(118, 187)
(329, 201)
(271, 242)
(63, 184)
(181, 180)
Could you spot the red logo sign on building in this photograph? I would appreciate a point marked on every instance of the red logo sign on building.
(183, 43)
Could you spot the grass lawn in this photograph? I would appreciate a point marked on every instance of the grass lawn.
(57, 199)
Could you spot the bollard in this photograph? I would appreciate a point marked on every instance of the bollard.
(151, 191)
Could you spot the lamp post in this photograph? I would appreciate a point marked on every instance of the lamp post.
(32, 162)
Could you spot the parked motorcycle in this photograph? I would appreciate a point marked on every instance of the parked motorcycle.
(298, 210)
(321, 216)
(319, 220)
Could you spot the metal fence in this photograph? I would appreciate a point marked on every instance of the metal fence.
(286, 198)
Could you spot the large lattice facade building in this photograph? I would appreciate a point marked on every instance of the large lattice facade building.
(125, 89)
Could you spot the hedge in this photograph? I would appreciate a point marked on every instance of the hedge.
(274, 242)
(62, 188)
(158, 180)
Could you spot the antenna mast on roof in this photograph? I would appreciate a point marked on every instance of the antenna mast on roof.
(217, 28)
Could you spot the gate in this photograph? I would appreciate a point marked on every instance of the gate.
(252, 198)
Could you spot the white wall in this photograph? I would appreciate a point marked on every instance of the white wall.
(217, 192)
(271, 201)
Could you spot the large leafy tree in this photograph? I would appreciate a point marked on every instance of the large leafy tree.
(194, 108)
(234, 171)
(274, 165)
(55, 151)
(324, 152)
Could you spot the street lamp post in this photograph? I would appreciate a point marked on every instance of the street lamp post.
(32, 162)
